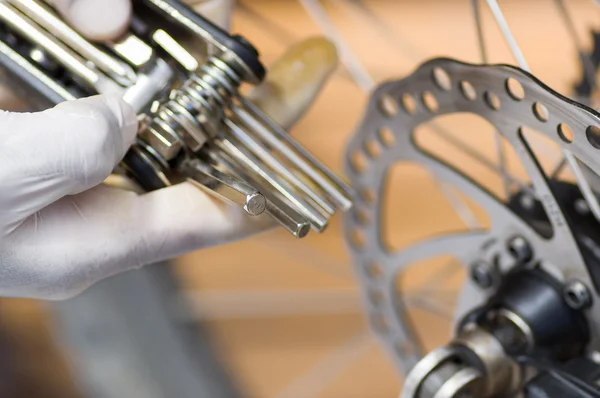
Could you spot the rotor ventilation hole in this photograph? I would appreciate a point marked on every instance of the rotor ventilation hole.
(565, 133)
(376, 297)
(540, 111)
(388, 105)
(359, 161)
(357, 238)
(467, 90)
(492, 100)
(373, 270)
(430, 101)
(368, 196)
(515, 89)
(380, 323)
(386, 136)
(441, 78)
(373, 148)
(362, 216)
(593, 135)
(409, 104)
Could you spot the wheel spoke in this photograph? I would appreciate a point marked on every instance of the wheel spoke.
(435, 279)
(479, 28)
(367, 83)
(507, 33)
(558, 168)
(465, 214)
(586, 190)
(484, 161)
(349, 59)
(501, 169)
(500, 152)
(309, 256)
(495, 209)
(589, 72)
(435, 307)
(459, 245)
(316, 379)
(237, 304)
(276, 31)
(388, 35)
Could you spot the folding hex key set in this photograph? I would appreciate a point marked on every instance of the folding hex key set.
(194, 123)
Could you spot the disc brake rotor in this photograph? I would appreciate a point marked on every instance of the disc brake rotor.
(445, 86)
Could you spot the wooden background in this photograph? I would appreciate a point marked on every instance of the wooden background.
(285, 312)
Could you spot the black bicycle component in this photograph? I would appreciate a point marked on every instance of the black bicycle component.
(578, 378)
(243, 52)
(545, 324)
(588, 81)
(586, 228)
(142, 168)
(557, 330)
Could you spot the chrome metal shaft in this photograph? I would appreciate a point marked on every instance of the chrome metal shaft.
(225, 186)
(195, 125)
(116, 69)
(69, 59)
(275, 135)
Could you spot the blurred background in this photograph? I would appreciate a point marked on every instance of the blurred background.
(284, 316)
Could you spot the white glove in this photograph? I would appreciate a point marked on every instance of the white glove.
(61, 231)
(106, 19)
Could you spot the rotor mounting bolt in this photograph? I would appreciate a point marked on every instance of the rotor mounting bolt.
(594, 356)
(581, 206)
(577, 295)
(482, 274)
(520, 249)
(527, 201)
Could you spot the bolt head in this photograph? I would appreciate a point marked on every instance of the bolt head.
(577, 295)
(520, 249)
(582, 207)
(527, 201)
(255, 204)
(482, 274)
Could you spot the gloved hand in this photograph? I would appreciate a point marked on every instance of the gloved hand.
(61, 230)
(106, 19)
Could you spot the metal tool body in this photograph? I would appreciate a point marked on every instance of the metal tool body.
(194, 123)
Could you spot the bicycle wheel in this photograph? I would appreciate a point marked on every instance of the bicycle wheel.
(156, 343)
(515, 162)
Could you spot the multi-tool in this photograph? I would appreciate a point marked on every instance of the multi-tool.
(194, 124)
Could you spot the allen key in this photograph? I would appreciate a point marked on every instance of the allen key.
(275, 136)
(280, 212)
(249, 162)
(15, 19)
(224, 186)
(195, 124)
(270, 161)
(115, 68)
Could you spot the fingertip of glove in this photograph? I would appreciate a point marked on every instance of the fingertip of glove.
(102, 125)
(99, 19)
(124, 115)
(108, 114)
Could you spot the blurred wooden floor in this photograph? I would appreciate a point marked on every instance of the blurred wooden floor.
(270, 354)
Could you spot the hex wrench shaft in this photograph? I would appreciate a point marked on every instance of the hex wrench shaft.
(224, 186)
